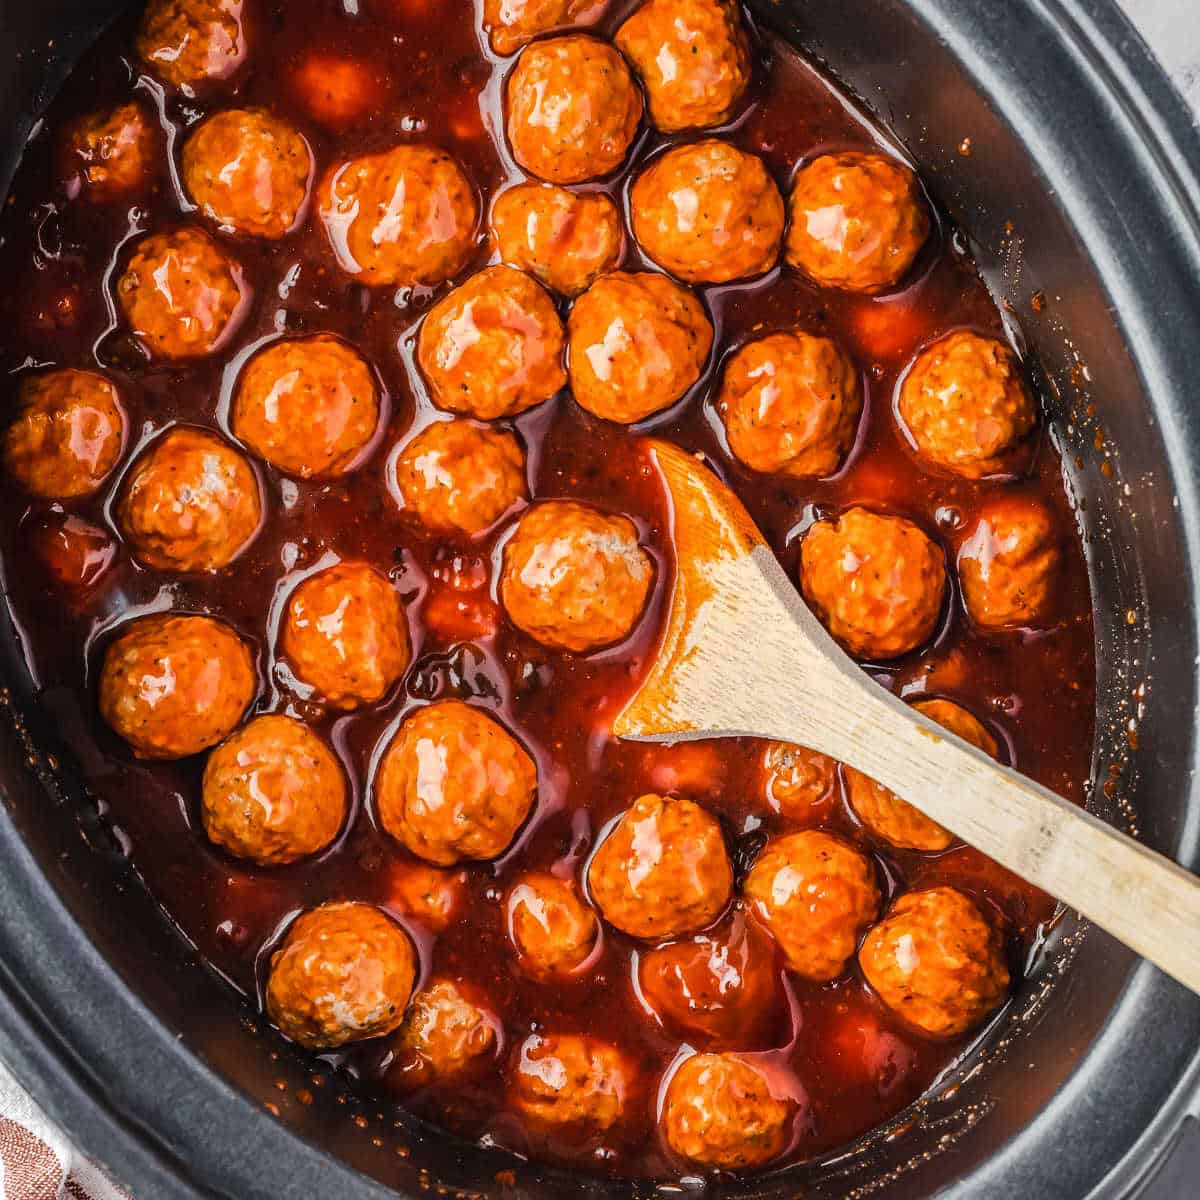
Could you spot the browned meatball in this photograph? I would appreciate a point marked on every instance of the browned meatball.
(511, 24)
(454, 784)
(721, 1112)
(345, 635)
(791, 404)
(492, 347)
(428, 894)
(895, 820)
(562, 1081)
(459, 477)
(799, 783)
(636, 344)
(110, 155)
(877, 582)
(188, 43)
(405, 216)
(182, 295)
(75, 552)
(573, 109)
(337, 90)
(174, 685)
(551, 927)
(857, 222)
(575, 578)
(445, 1035)
(565, 239)
(191, 502)
(66, 435)
(345, 972)
(663, 870)
(248, 171)
(708, 213)
(965, 406)
(308, 406)
(816, 895)
(936, 962)
(273, 792)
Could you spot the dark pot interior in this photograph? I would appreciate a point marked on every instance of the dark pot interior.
(1080, 185)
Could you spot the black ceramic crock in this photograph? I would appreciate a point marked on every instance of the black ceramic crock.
(1082, 183)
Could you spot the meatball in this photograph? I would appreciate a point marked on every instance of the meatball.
(1009, 563)
(344, 972)
(427, 894)
(337, 91)
(965, 406)
(799, 783)
(562, 1081)
(636, 344)
(511, 24)
(895, 820)
(445, 1035)
(308, 406)
(188, 43)
(190, 502)
(720, 1112)
(492, 347)
(459, 477)
(454, 784)
(708, 213)
(248, 171)
(573, 109)
(345, 635)
(815, 894)
(182, 295)
(877, 582)
(76, 553)
(551, 927)
(936, 962)
(693, 57)
(791, 404)
(564, 239)
(66, 436)
(406, 216)
(857, 222)
(663, 869)
(273, 793)
(575, 578)
(110, 155)
(174, 685)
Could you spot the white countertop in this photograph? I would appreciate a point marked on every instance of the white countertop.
(1172, 28)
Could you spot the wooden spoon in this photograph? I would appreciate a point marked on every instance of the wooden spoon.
(743, 656)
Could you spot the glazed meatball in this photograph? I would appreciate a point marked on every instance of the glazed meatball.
(662, 871)
(432, 896)
(273, 793)
(568, 1082)
(564, 239)
(551, 927)
(936, 961)
(965, 406)
(345, 635)
(308, 406)
(459, 477)
(791, 404)
(720, 1112)
(66, 435)
(573, 109)
(188, 43)
(492, 347)
(191, 502)
(815, 895)
(338, 91)
(895, 820)
(693, 57)
(636, 344)
(1008, 564)
(511, 24)
(857, 222)
(182, 294)
(248, 171)
(575, 578)
(76, 553)
(174, 685)
(454, 784)
(799, 783)
(708, 213)
(110, 155)
(406, 216)
(344, 972)
(877, 582)
(445, 1035)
